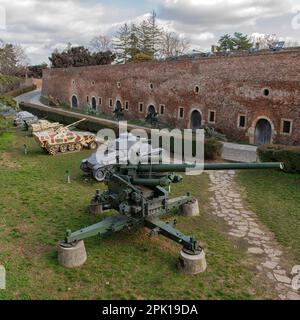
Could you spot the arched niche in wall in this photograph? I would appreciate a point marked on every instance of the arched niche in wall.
(74, 102)
(196, 119)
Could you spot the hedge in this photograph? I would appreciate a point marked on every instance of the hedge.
(4, 124)
(213, 149)
(20, 91)
(8, 83)
(8, 101)
(289, 155)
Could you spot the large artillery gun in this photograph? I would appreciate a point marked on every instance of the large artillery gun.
(65, 140)
(140, 195)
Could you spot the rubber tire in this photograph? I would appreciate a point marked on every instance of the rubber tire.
(93, 145)
(99, 175)
(71, 147)
(78, 147)
(63, 149)
(56, 148)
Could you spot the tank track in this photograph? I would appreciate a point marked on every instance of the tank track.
(64, 148)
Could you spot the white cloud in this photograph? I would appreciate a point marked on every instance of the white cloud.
(204, 36)
(202, 20)
(40, 26)
(217, 14)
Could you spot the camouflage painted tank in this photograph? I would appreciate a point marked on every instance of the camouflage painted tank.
(64, 140)
(44, 125)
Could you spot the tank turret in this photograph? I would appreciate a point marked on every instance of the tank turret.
(44, 125)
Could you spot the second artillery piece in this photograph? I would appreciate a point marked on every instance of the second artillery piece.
(64, 139)
(140, 194)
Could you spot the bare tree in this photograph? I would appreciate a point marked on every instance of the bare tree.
(101, 43)
(173, 45)
(263, 41)
(22, 58)
(13, 59)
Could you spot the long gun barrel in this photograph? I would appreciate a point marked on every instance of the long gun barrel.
(75, 123)
(145, 168)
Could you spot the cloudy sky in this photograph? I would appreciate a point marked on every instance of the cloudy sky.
(41, 26)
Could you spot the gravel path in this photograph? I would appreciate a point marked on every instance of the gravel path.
(227, 204)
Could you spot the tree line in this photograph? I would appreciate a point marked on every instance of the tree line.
(144, 41)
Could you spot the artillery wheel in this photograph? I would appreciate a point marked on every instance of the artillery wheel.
(63, 148)
(53, 150)
(99, 175)
(78, 147)
(93, 145)
(72, 256)
(71, 147)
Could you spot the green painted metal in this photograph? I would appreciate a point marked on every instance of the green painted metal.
(139, 193)
(160, 168)
(109, 225)
(167, 230)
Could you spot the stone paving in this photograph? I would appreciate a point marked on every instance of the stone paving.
(244, 224)
(239, 152)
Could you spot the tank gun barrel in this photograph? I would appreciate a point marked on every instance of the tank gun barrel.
(141, 168)
(75, 123)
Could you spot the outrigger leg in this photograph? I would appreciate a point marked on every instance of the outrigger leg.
(71, 251)
(192, 257)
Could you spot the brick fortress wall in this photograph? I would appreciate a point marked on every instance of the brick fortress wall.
(232, 93)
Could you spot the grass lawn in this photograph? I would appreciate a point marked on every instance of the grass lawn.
(275, 197)
(37, 206)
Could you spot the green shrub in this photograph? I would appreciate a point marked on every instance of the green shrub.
(8, 101)
(64, 105)
(20, 91)
(213, 149)
(4, 124)
(8, 83)
(290, 156)
(211, 133)
(141, 57)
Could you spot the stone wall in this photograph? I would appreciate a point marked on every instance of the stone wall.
(258, 86)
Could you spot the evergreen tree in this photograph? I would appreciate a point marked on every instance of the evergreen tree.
(79, 57)
(122, 44)
(237, 42)
(133, 49)
(226, 42)
(144, 38)
(241, 41)
(155, 34)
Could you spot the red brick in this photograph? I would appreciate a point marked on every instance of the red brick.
(229, 85)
